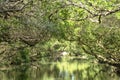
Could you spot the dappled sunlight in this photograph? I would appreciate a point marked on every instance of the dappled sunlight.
(71, 67)
(59, 40)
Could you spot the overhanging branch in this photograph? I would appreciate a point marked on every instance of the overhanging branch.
(96, 12)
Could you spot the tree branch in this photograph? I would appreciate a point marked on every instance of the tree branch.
(13, 7)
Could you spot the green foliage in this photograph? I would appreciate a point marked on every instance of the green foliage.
(102, 41)
(24, 55)
(55, 25)
(118, 15)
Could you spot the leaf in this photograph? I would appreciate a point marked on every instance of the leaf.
(118, 15)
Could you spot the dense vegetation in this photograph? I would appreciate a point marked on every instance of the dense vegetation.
(33, 30)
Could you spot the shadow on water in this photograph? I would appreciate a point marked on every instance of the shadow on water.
(72, 70)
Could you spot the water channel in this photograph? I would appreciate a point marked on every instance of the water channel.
(64, 70)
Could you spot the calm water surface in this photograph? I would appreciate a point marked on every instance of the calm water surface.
(72, 70)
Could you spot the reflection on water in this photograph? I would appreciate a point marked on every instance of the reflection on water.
(73, 70)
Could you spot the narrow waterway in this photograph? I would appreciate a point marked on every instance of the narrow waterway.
(64, 70)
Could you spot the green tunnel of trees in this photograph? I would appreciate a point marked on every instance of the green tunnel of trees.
(32, 29)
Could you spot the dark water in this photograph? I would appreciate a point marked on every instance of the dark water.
(72, 70)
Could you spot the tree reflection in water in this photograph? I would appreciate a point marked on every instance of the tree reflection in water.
(76, 70)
